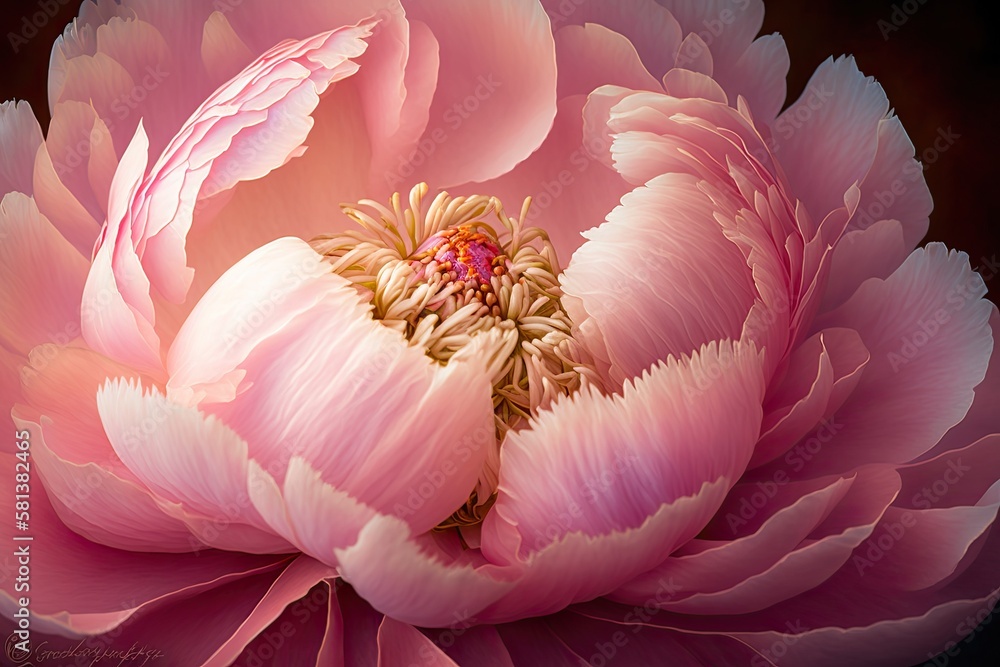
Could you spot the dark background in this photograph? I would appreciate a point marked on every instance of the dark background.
(936, 59)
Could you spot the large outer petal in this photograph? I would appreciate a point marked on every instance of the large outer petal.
(188, 459)
(90, 488)
(486, 88)
(42, 278)
(637, 475)
(827, 140)
(207, 627)
(300, 367)
(639, 277)
(415, 580)
(755, 70)
(927, 329)
(20, 138)
(82, 587)
(248, 128)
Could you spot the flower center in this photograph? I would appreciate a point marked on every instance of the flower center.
(461, 267)
(466, 257)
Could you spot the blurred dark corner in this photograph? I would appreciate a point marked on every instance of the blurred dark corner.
(936, 59)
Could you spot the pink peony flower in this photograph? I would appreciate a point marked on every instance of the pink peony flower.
(605, 360)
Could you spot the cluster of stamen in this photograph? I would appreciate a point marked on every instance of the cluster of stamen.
(466, 258)
(462, 267)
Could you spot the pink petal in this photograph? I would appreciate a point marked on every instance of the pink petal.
(20, 137)
(639, 278)
(192, 629)
(654, 32)
(222, 50)
(633, 478)
(308, 632)
(392, 95)
(292, 347)
(398, 643)
(981, 419)
(256, 298)
(42, 278)
(695, 55)
(835, 123)
(685, 83)
(889, 627)
(594, 56)
(102, 164)
(873, 252)
(188, 459)
(812, 562)
(113, 326)
(499, 91)
(300, 199)
(571, 189)
(57, 203)
(759, 76)
(937, 542)
(262, 114)
(149, 223)
(361, 624)
(10, 392)
(705, 567)
(827, 626)
(307, 512)
(479, 645)
(295, 581)
(534, 641)
(78, 435)
(928, 333)
(331, 651)
(69, 145)
(414, 585)
(395, 158)
(744, 67)
(953, 478)
(727, 26)
(895, 189)
(821, 374)
(639, 646)
(101, 81)
(149, 54)
(121, 582)
(100, 504)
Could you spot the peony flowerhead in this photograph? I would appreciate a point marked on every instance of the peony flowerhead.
(491, 332)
